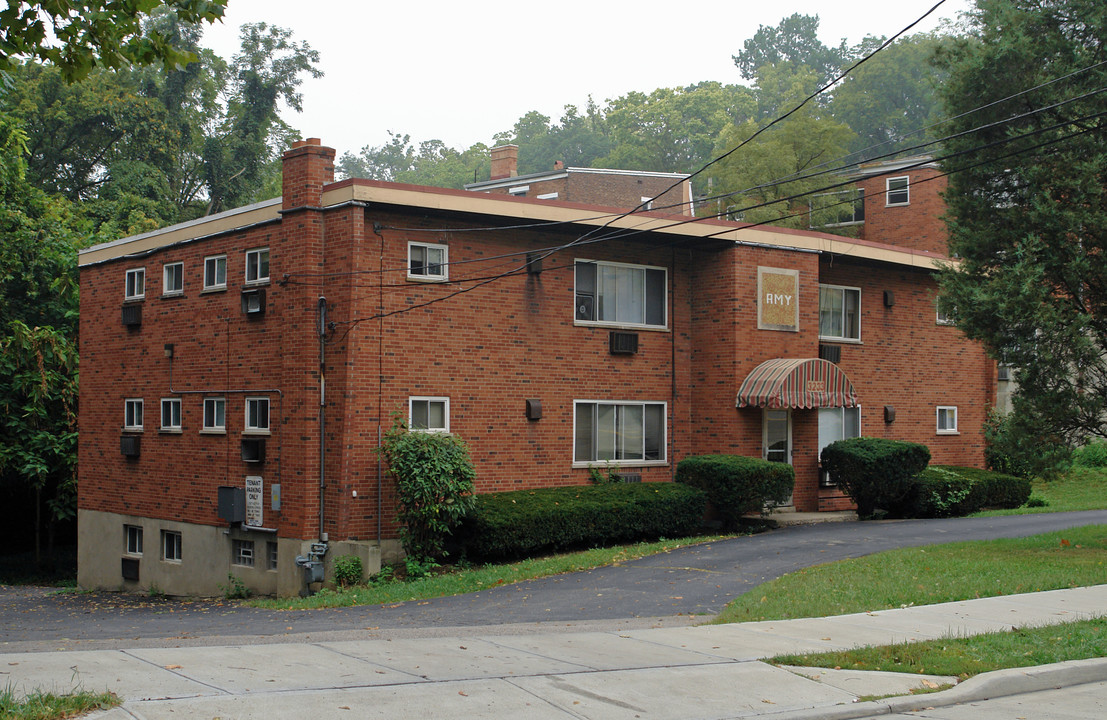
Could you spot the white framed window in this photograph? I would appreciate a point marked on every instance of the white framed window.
(429, 414)
(897, 191)
(242, 553)
(620, 294)
(170, 546)
(947, 420)
(257, 414)
(624, 432)
(132, 414)
(132, 539)
(839, 313)
(548, 196)
(427, 261)
(943, 318)
(171, 414)
(215, 414)
(519, 191)
(135, 284)
(257, 265)
(215, 272)
(172, 279)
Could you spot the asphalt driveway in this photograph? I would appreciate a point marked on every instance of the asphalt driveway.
(677, 587)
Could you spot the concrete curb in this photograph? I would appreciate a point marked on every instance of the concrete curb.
(999, 683)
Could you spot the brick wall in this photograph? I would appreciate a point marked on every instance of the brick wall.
(917, 225)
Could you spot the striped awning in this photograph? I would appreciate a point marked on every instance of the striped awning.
(797, 383)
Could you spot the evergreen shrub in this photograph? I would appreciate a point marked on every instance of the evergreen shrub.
(737, 485)
(875, 472)
(523, 523)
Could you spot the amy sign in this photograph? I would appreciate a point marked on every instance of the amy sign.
(777, 299)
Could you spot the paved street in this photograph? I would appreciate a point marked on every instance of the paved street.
(675, 588)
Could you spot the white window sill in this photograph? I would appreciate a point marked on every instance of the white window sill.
(255, 432)
(260, 282)
(127, 429)
(620, 326)
(213, 431)
(170, 431)
(136, 298)
(428, 278)
(844, 341)
(888, 205)
(948, 432)
(214, 289)
(618, 464)
(177, 294)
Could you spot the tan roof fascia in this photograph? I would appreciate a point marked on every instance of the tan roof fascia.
(701, 229)
(203, 227)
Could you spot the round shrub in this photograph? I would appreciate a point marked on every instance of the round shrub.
(876, 472)
(737, 485)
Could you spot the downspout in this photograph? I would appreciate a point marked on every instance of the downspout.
(322, 308)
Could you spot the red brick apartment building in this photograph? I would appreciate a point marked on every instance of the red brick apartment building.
(237, 372)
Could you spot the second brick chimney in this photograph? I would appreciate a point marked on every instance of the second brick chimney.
(505, 161)
(306, 168)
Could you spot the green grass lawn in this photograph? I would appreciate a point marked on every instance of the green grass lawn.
(1080, 488)
(473, 579)
(932, 574)
(968, 656)
(48, 706)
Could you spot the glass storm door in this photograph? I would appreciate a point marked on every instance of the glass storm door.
(776, 428)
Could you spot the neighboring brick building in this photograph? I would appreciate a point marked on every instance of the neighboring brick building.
(665, 193)
(266, 349)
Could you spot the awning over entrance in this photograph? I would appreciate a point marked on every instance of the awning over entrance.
(797, 383)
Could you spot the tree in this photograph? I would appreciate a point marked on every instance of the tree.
(893, 95)
(673, 129)
(94, 33)
(791, 44)
(244, 152)
(753, 183)
(1028, 205)
(38, 345)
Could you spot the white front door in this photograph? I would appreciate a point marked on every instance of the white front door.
(776, 437)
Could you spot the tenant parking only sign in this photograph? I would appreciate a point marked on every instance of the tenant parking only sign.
(777, 299)
(253, 501)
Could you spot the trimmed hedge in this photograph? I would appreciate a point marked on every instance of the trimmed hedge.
(952, 491)
(522, 523)
(875, 472)
(737, 485)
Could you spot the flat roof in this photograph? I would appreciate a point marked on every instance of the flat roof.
(706, 231)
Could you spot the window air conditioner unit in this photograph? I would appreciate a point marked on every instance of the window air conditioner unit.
(129, 445)
(824, 479)
(623, 343)
(831, 353)
(253, 450)
(132, 315)
(253, 301)
(130, 568)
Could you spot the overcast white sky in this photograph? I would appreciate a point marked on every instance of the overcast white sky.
(463, 71)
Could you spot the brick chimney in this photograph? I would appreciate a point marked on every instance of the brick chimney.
(505, 161)
(306, 168)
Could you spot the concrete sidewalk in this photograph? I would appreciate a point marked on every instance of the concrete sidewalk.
(680, 672)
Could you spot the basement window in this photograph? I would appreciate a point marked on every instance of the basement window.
(170, 546)
(132, 539)
(242, 553)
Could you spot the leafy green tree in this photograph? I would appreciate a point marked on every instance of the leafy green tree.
(38, 347)
(244, 151)
(673, 129)
(1028, 205)
(753, 185)
(893, 95)
(792, 44)
(94, 33)
(381, 162)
